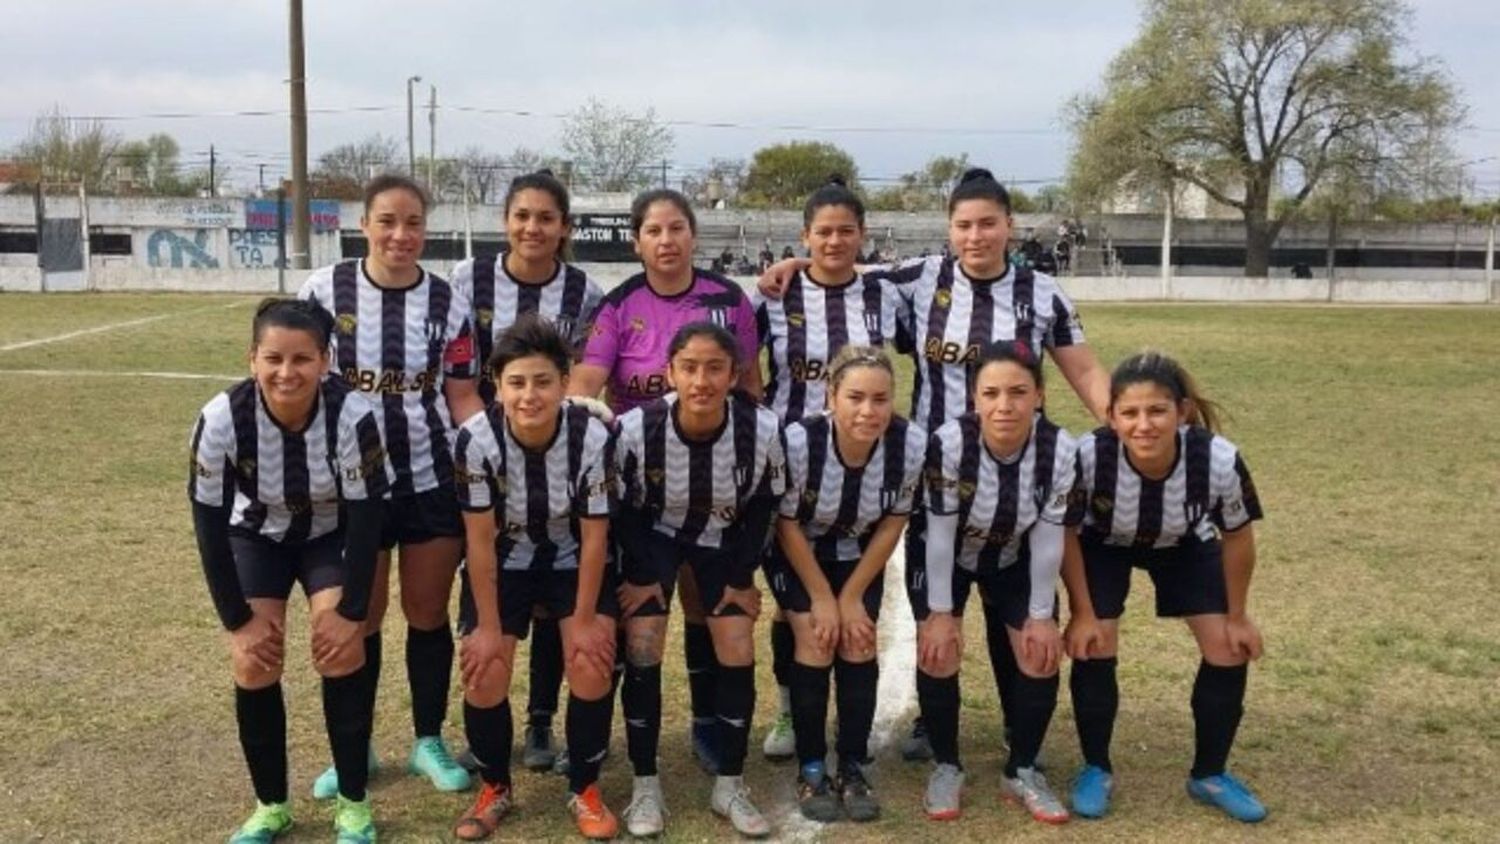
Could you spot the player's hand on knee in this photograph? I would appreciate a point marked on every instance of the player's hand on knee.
(1041, 646)
(824, 616)
(593, 644)
(939, 644)
(333, 636)
(747, 599)
(479, 653)
(857, 630)
(1084, 637)
(1244, 638)
(259, 643)
(634, 596)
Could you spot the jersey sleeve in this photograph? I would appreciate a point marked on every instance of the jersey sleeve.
(762, 317)
(593, 296)
(911, 473)
(941, 480)
(628, 469)
(594, 488)
(319, 288)
(602, 348)
(364, 468)
(773, 473)
(1235, 501)
(460, 355)
(745, 330)
(210, 464)
(1065, 328)
(1078, 496)
(1064, 474)
(473, 469)
(796, 470)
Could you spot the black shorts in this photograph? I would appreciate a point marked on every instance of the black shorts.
(1005, 590)
(413, 519)
(268, 568)
(710, 567)
(1189, 578)
(525, 595)
(791, 595)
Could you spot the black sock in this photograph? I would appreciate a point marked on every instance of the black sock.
(261, 714)
(373, 655)
(734, 698)
(938, 697)
(546, 672)
(698, 650)
(1035, 698)
(587, 726)
(810, 710)
(1218, 703)
(490, 733)
(856, 683)
(1003, 663)
(1096, 701)
(783, 646)
(429, 669)
(346, 716)
(640, 701)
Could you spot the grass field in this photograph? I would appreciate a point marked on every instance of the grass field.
(1375, 715)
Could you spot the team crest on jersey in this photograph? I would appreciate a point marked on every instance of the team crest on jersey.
(1193, 511)
(564, 326)
(943, 298)
(346, 324)
(655, 476)
(1024, 312)
(889, 497)
(810, 497)
(872, 325)
(795, 319)
(719, 317)
(437, 329)
(966, 489)
(742, 476)
(485, 316)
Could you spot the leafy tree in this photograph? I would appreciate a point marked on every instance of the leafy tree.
(154, 165)
(1246, 99)
(782, 175)
(611, 149)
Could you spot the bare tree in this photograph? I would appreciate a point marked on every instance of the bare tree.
(61, 149)
(612, 149)
(343, 170)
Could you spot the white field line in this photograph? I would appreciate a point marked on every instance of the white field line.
(104, 373)
(131, 323)
(895, 699)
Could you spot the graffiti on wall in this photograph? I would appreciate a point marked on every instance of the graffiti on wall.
(181, 249)
(252, 249)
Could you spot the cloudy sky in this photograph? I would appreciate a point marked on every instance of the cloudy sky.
(892, 82)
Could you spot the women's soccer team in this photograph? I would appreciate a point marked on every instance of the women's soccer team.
(579, 457)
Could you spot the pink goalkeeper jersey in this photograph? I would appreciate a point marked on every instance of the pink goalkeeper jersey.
(634, 327)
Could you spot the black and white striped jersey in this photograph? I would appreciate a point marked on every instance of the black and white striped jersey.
(951, 318)
(837, 506)
(696, 490)
(399, 345)
(568, 300)
(286, 485)
(538, 496)
(808, 325)
(1207, 488)
(997, 501)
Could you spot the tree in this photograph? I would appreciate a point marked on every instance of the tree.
(1246, 99)
(611, 149)
(63, 151)
(782, 175)
(926, 189)
(343, 170)
(153, 165)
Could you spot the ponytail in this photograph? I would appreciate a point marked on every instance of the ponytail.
(1154, 367)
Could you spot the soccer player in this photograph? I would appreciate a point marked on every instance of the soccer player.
(531, 276)
(287, 475)
(627, 351)
(828, 305)
(701, 472)
(536, 481)
(1160, 490)
(997, 488)
(851, 476)
(953, 307)
(402, 337)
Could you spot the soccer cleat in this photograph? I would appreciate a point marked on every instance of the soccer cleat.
(264, 824)
(781, 739)
(860, 802)
(540, 754)
(731, 800)
(646, 816)
(467, 761)
(915, 747)
(430, 759)
(595, 820)
(560, 764)
(1029, 788)
(815, 795)
(326, 786)
(1229, 795)
(1092, 789)
(352, 823)
(483, 818)
(704, 737)
(945, 789)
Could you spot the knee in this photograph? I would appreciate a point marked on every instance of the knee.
(491, 690)
(250, 677)
(346, 663)
(424, 613)
(809, 653)
(855, 657)
(588, 684)
(643, 642)
(735, 646)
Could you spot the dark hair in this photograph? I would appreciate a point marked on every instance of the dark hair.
(978, 183)
(394, 181)
(1018, 352)
(853, 356)
(713, 331)
(644, 201)
(1154, 367)
(836, 192)
(297, 314)
(531, 334)
(544, 181)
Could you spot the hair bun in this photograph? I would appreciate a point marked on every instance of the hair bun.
(975, 173)
(545, 171)
(837, 179)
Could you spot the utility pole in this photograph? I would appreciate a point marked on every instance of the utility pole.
(261, 179)
(664, 173)
(411, 130)
(212, 166)
(431, 134)
(301, 230)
